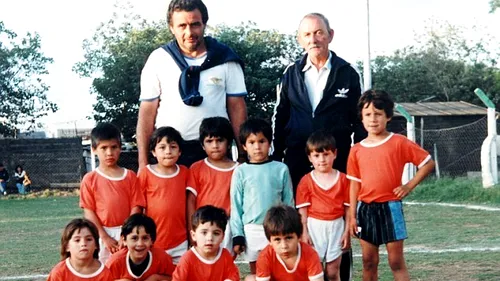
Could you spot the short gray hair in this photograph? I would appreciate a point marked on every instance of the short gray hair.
(320, 16)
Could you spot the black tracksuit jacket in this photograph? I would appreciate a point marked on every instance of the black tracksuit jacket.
(294, 119)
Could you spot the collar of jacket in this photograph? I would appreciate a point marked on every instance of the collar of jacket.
(336, 62)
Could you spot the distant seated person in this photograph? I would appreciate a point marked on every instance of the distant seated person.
(4, 177)
(22, 180)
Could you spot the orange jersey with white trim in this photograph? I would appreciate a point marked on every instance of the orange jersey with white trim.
(166, 204)
(323, 202)
(159, 263)
(112, 199)
(379, 167)
(211, 184)
(193, 267)
(307, 267)
(63, 271)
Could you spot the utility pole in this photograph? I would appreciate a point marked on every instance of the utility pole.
(367, 74)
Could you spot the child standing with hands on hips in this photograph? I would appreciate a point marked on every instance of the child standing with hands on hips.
(375, 167)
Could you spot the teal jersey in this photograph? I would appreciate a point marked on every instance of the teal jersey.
(255, 188)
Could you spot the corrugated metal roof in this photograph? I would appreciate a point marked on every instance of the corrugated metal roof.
(442, 108)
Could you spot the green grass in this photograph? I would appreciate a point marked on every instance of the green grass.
(457, 190)
(30, 232)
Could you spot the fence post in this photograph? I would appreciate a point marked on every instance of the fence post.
(436, 160)
(409, 170)
(489, 167)
(422, 132)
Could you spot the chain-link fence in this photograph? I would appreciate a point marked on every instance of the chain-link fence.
(128, 159)
(49, 163)
(456, 150)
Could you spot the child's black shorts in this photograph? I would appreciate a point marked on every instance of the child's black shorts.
(381, 223)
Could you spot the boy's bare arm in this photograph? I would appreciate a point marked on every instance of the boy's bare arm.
(237, 112)
(303, 219)
(190, 209)
(353, 202)
(346, 239)
(145, 127)
(110, 243)
(402, 191)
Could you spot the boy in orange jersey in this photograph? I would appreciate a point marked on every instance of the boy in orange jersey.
(164, 186)
(286, 257)
(323, 200)
(211, 177)
(139, 260)
(207, 260)
(109, 195)
(375, 167)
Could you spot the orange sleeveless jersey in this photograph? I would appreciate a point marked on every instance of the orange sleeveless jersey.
(323, 203)
(159, 263)
(63, 271)
(112, 199)
(271, 267)
(379, 167)
(166, 204)
(211, 184)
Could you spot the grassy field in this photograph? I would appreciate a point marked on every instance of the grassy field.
(446, 243)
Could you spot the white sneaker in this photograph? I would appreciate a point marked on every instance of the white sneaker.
(5, 193)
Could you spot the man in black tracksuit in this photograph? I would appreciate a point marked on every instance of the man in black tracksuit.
(318, 91)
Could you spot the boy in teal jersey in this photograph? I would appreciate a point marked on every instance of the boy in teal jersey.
(256, 186)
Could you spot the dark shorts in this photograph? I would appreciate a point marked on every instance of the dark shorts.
(381, 223)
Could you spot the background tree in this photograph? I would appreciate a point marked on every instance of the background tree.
(114, 58)
(23, 98)
(442, 66)
(266, 54)
(117, 52)
(494, 5)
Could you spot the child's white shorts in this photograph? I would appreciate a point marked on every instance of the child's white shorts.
(177, 252)
(114, 232)
(326, 237)
(256, 241)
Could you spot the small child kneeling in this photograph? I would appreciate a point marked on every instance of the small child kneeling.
(207, 260)
(286, 257)
(139, 260)
(80, 254)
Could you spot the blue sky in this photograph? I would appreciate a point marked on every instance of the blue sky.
(63, 25)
